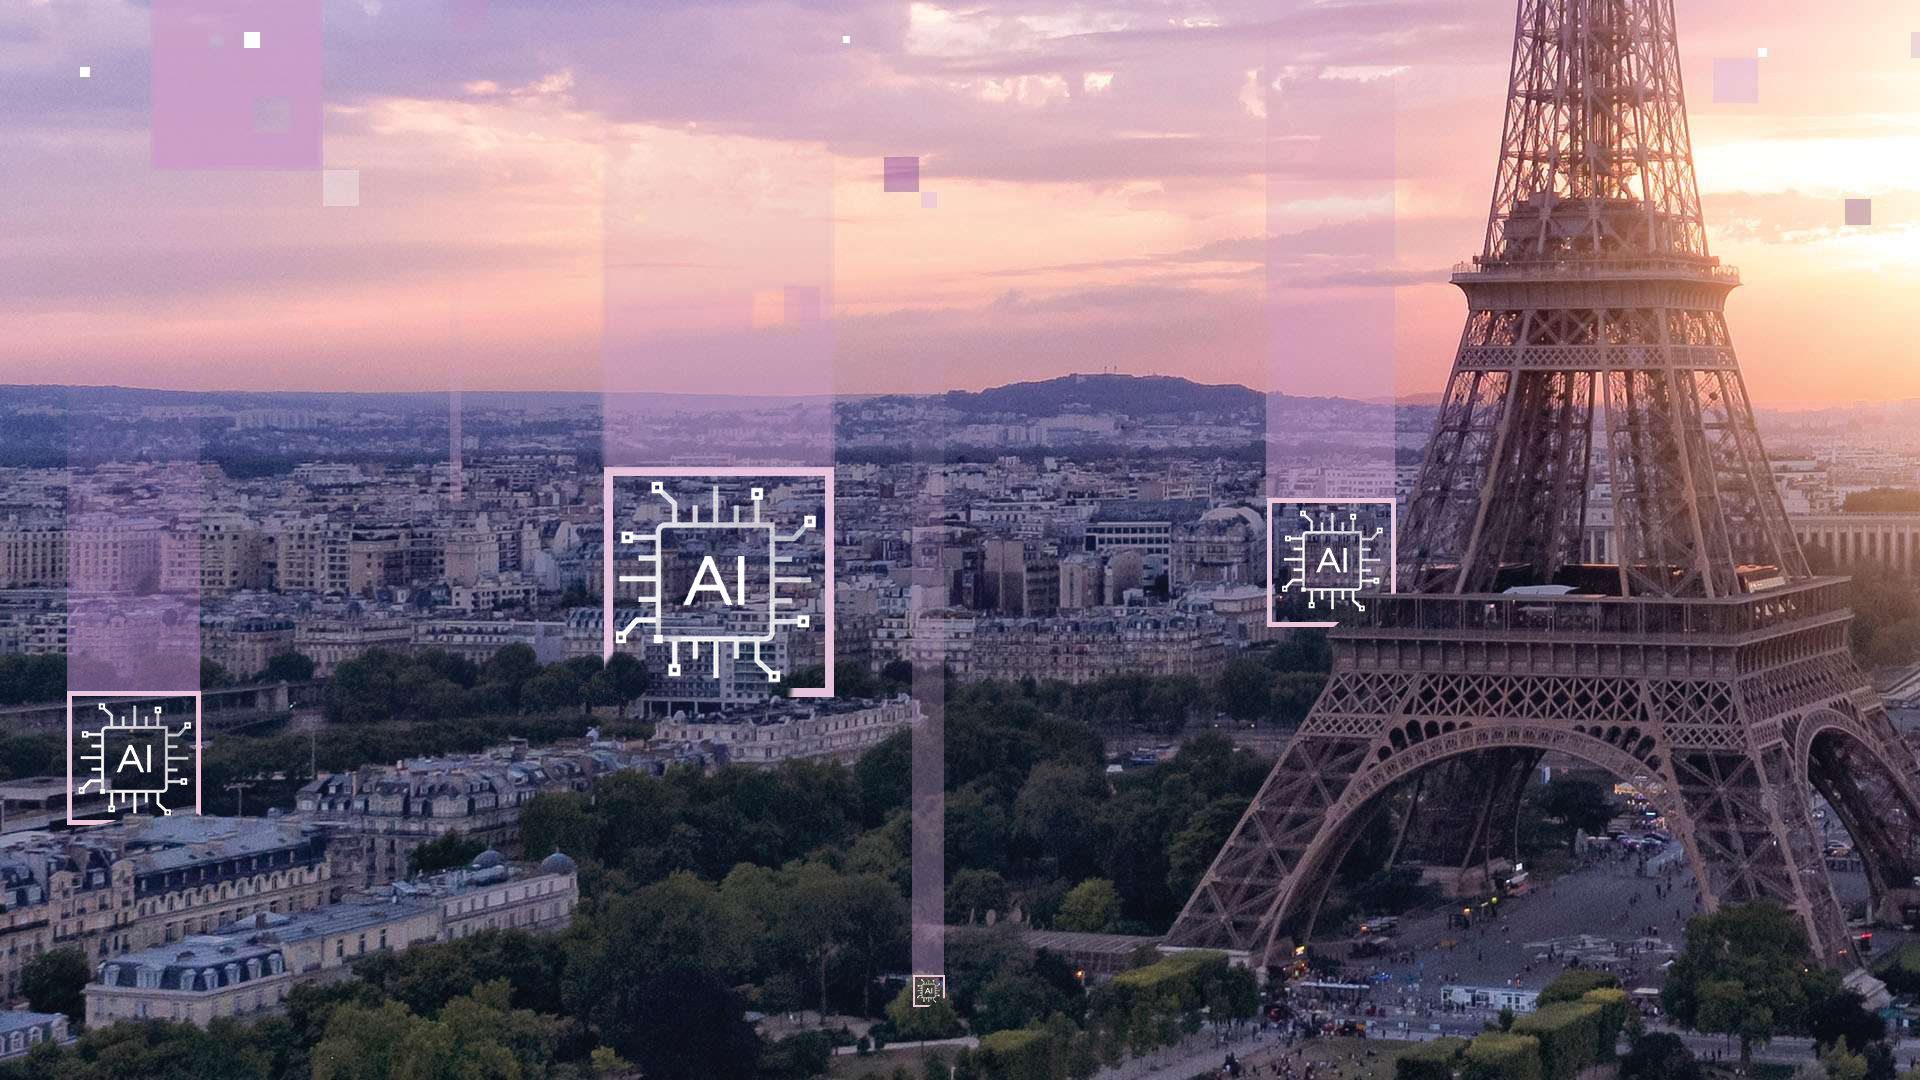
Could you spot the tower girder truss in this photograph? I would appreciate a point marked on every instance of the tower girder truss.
(1594, 388)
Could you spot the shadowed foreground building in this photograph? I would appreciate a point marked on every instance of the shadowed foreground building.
(21, 1031)
(378, 815)
(250, 966)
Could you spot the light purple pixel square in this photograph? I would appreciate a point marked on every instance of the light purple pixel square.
(1859, 213)
(1737, 81)
(902, 173)
(204, 94)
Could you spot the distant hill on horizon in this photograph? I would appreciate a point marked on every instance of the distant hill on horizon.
(1102, 392)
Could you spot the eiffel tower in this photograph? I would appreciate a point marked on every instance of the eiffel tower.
(1705, 663)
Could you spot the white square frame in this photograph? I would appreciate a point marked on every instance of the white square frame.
(1393, 549)
(199, 736)
(694, 472)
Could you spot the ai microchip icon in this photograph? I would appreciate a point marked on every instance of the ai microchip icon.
(727, 563)
(134, 759)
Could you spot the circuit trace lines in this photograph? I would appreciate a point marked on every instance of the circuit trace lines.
(714, 581)
(136, 759)
(1332, 561)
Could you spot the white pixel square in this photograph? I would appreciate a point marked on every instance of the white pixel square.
(86, 73)
(250, 39)
(1763, 52)
(340, 187)
(846, 39)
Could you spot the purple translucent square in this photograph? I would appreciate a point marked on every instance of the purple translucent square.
(1913, 47)
(1737, 81)
(1859, 212)
(205, 95)
(902, 173)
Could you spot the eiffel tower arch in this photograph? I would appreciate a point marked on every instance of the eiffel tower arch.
(1704, 660)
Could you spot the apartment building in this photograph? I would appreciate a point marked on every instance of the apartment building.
(248, 966)
(789, 730)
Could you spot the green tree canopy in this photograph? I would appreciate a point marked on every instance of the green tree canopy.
(56, 981)
(1744, 972)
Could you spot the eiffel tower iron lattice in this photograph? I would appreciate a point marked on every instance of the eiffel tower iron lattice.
(1699, 657)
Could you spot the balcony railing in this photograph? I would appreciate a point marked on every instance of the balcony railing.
(1666, 619)
(1595, 268)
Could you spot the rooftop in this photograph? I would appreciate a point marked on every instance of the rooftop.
(12, 1020)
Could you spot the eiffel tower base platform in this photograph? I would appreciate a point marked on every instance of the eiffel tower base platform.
(1729, 714)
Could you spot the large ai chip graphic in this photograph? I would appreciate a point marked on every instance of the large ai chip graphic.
(714, 582)
(1326, 558)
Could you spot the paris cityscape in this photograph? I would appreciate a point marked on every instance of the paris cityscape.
(893, 540)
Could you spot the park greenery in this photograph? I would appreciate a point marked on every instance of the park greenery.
(1744, 973)
(1577, 1024)
(707, 894)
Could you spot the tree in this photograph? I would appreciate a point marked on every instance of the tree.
(1659, 1055)
(212, 675)
(1193, 849)
(1054, 808)
(511, 668)
(1839, 1063)
(287, 667)
(444, 853)
(884, 775)
(554, 689)
(1842, 1016)
(1246, 689)
(627, 678)
(1013, 999)
(1090, 907)
(56, 981)
(1576, 805)
(688, 1025)
(911, 1024)
(558, 821)
(1743, 972)
(1573, 982)
(972, 893)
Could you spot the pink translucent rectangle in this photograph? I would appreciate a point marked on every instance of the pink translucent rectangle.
(220, 64)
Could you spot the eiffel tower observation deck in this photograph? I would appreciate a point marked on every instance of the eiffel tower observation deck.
(1704, 663)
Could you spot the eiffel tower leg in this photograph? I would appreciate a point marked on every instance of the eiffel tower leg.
(1855, 760)
(1263, 890)
(1756, 840)
(1253, 872)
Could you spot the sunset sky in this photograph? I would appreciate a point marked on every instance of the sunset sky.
(576, 195)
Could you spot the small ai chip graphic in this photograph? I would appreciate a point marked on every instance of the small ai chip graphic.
(928, 990)
(135, 757)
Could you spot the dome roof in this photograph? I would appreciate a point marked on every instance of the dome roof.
(487, 859)
(557, 863)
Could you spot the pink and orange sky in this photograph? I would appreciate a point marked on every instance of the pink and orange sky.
(1265, 193)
